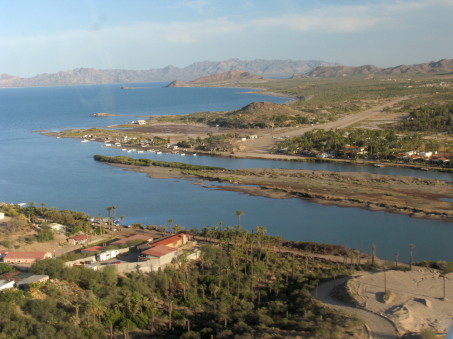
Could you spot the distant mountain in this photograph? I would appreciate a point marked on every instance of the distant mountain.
(441, 66)
(338, 71)
(273, 68)
(226, 77)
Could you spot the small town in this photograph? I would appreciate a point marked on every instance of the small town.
(129, 249)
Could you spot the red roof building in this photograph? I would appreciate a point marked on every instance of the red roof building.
(93, 249)
(173, 241)
(25, 257)
(158, 251)
(78, 239)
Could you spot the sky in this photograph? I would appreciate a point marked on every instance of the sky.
(48, 36)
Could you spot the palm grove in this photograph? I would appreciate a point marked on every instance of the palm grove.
(242, 286)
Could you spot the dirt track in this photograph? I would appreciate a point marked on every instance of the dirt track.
(265, 143)
(379, 327)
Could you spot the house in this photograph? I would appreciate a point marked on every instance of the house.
(173, 241)
(253, 136)
(34, 279)
(93, 249)
(135, 237)
(78, 239)
(6, 284)
(25, 257)
(425, 154)
(354, 149)
(56, 227)
(159, 255)
(2, 215)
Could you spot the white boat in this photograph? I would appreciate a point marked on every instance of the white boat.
(84, 140)
(124, 149)
(183, 154)
(159, 153)
(129, 151)
(195, 154)
(108, 145)
(133, 150)
(139, 151)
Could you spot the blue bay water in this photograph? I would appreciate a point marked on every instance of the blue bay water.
(62, 172)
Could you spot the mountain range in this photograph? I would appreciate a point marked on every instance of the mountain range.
(442, 66)
(269, 68)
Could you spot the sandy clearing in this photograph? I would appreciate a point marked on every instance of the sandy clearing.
(416, 301)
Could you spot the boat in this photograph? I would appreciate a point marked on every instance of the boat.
(183, 154)
(195, 154)
(159, 153)
(84, 140)
(140, 151)
(378, 165)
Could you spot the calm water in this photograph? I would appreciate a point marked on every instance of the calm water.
(62, 173)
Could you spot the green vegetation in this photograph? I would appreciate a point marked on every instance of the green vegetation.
(376, 144)
(213, 143)
(431, 118)
(148, 162)
(242, 286)
(325, 99)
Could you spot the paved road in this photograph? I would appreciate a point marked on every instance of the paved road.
(378, 326)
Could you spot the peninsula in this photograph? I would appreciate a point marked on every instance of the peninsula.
(416, 197)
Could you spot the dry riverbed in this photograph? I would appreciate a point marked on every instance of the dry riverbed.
(416, 197)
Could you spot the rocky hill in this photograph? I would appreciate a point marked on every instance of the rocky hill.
(274, 68)
(441, 66)
(226, 77)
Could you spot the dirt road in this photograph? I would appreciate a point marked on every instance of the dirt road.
(266, 141)
(379, 327)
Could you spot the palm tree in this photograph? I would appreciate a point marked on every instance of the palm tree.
(239, 213)
(411, 255)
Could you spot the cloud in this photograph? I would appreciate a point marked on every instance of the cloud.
(320, 23)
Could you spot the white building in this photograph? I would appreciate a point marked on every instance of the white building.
(6, 284)
(107, 255)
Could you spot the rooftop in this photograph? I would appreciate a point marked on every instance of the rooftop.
(96, 248)
(159, 251)
(169, 240)
(79, 237)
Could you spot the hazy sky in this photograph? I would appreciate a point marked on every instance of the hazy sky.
(46, 36)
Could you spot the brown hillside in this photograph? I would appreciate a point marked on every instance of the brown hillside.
(266, 109)
(178, 83)
(227, 76)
